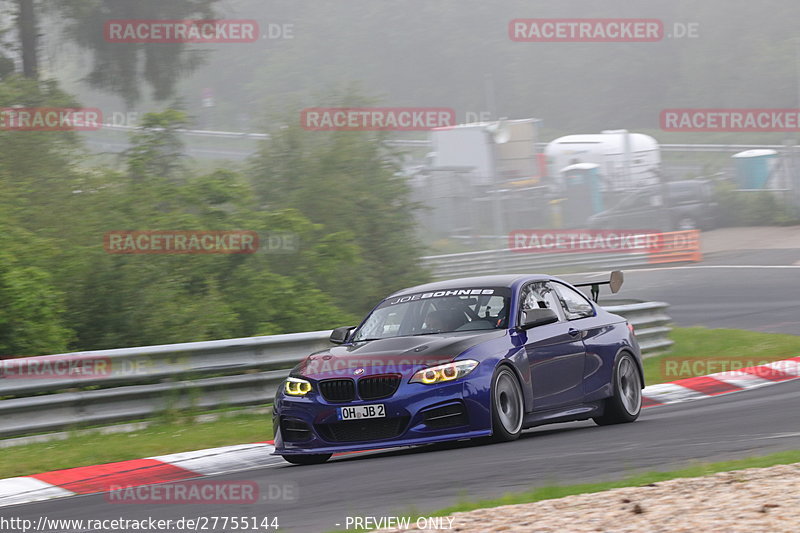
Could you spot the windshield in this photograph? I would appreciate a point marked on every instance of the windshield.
(469, 309)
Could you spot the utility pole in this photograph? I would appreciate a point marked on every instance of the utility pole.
(794, 173)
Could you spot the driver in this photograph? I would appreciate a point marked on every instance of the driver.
(444, 320)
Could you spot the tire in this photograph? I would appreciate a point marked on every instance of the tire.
(508, 406)
(626, 403)
(307, 459)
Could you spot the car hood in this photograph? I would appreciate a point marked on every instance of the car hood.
(401, 355)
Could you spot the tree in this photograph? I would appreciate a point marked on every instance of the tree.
(157, 148)
(29, 38)
(347, 183)
(129, 300)
(31, 308)
(122, 68)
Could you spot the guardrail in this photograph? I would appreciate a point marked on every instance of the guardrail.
(111, 386)
(676, 246)
(509, 262)
(424, 143)
(650, 322)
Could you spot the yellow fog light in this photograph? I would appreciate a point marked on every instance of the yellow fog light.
(296, 387)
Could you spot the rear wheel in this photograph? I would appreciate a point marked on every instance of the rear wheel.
(309, 459)
(626, 403)
(507, 406)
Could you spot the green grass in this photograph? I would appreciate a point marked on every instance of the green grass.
(560, 491)
(720, 350)
(157, 439)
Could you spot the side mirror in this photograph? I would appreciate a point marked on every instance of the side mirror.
(340, 335)
(538, 317)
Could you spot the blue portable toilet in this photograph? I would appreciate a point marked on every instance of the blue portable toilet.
(584, 196)
(754, 168)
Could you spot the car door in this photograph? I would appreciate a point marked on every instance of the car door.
(630, 213)
(645, 212)
(556, 353)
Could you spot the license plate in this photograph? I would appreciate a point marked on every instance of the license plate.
(362, 411)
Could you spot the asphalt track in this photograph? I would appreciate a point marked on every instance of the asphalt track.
(738, 425)
(758, 298)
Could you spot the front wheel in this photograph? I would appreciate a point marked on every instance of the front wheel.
(626, 403)
(307, 459)
(507, 406)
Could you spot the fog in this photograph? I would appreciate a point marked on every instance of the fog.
(458, 54)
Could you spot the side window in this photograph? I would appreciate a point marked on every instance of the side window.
(574, 303)
(540, 296)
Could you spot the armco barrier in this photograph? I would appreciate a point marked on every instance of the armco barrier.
(650, 322)
(678, 246)
(144, 382)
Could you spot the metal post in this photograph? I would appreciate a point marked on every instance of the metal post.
(496, 203)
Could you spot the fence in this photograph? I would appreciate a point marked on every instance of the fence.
(426, 143)
(677, 246)
(111, 386)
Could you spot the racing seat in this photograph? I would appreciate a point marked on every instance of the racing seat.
(445, 319)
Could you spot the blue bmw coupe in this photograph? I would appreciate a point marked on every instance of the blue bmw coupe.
(466, 358)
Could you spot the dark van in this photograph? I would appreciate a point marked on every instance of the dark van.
(673, 206)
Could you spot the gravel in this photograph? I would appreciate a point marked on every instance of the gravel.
(747, 501)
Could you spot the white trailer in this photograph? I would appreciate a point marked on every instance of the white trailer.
(626, 160)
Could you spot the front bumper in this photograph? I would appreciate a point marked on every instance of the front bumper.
(415, 414)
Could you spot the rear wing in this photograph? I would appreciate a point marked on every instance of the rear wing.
(614, 283)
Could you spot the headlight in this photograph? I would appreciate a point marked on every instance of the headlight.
(446, 372)
(296, 387)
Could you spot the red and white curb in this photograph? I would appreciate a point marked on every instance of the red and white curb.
(137, 472)
(701, 387)
(228, 459)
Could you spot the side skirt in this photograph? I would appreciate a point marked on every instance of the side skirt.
(569, 413)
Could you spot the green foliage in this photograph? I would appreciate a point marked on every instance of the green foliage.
(30, 311)
(33, 318)
(346, 212)
(157, 149)
(752, 208)
(718, 350)
(345, 182)
(149, 299)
